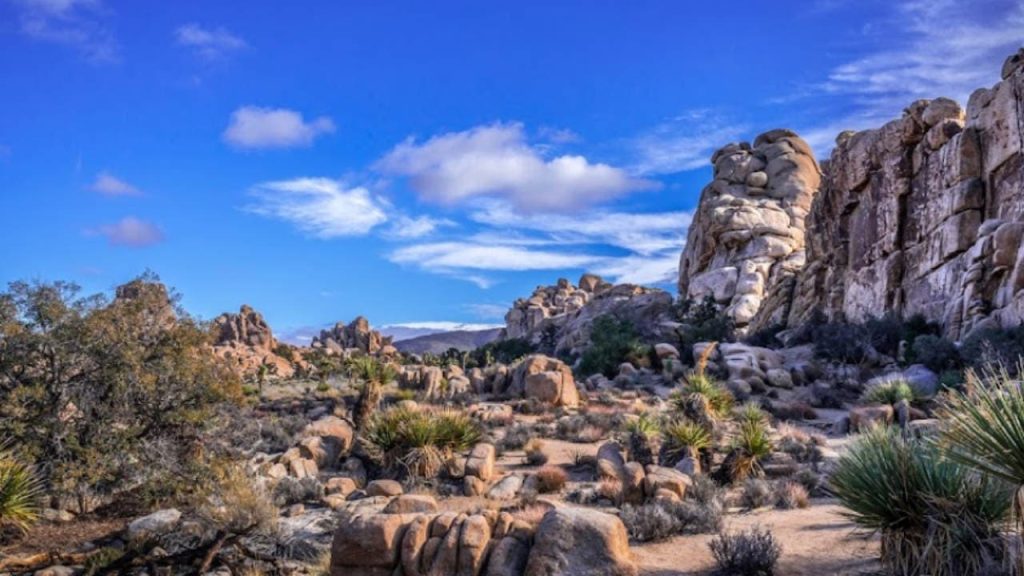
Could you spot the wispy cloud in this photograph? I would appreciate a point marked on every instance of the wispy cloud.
(253, 127)
(130, 232)
(487, 311)
(410, 227)
(209, 43)
(78, 24)
(684, 142)
(319, 207)
(109, 185)
(497, 161)
(932, 48)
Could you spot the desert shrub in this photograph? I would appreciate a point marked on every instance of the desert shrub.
(999, 348)
(107, 395)
(535, 455)
(789, 495)
(20, 491)
(551, 479)
(683, 438)
(803, 447)
(702, 321)
(416, 443)
(767, 337)
(889, 392)
(517, 436)
(756, 493)
(641, 435)
(750, 553)
(612, 342)
(809, 479)
(793, 410)
(712, 394)
(235, 504)
(661, 519)
(935, 516)
(289, 490)
(935, 352)
(886, 333)
(840, 342)
(751, 445)
(503, 351)
(581, 459)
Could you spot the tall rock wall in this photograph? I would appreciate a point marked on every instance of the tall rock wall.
(924, 215)
(746, 241)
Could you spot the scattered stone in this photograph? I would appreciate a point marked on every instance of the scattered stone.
(384, 488)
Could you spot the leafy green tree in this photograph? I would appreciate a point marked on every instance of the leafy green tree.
(612, 342)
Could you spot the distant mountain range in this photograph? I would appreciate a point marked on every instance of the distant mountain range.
(440, 342)
(410, 330)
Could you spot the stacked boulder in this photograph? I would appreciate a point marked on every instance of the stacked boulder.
(356, 336)
(246, 341)
(639, 482)
(544, 379)
(489, 543)
(321, 446)
(561, 316)
(746, 240)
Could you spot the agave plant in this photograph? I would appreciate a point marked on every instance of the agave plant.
(20, 490)
(684, 438)
(416, 442)
(752, 412)
(890, 392)
(936, 517)
(751, 445)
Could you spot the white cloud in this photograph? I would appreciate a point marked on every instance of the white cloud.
(209, 43)
(497, 161)
(74, 23)
(684, 142)
(409, 227)
(131, 232)
(659, 268)
(256, 127)
(441, 326)
(109, 185)
(320, 207)
(488, 311)
(450, 256)
(933, 48)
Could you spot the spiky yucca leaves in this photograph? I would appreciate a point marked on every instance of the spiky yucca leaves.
(936, 516)
(683, 438)
(752, 412)
(751, 445)
(703, 397)
(641, 438)
(417, 442)
(373, 374)
(890, 392)
(20, 491)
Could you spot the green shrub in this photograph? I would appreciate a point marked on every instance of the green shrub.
(766, 337)
(756, 493)
(997, 348)
(935, 352)
(612, 342)
(702, 321)
(504, 351)
(889, 392)
(934, 515)
(750, 553)
(886, 333)
(840, 342)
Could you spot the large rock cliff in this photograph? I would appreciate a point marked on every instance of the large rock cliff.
(923, 215)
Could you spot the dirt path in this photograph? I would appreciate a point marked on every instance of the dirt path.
(816, 541)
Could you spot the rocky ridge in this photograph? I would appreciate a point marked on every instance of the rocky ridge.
(921, 216)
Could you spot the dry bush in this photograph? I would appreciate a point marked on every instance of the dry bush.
(517, 437)
(795, 410)
(756, 493)
(551, 479)
(237, 505)
(531, 514)
(750, 553)
(535, 455)
(790, 495)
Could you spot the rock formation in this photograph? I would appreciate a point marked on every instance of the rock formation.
(924, 215)
(747, 238)
(246, 341)
(357, 335)
(563, 313)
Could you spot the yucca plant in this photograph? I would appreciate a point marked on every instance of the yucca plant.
(642, 435)
(751, 445)
(416, 442)
(20, 491)
(752, 412)
(701, 392)
(936, 517)
(890, 392)
(373, 374)
(684, 438)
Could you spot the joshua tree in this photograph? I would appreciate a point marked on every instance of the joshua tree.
(373, 374)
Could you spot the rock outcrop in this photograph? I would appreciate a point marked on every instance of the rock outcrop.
(746, 240)
(355, 335)
(924, 215)
(561, 315)
(247, 343)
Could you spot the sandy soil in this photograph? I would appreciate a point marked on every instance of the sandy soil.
(816, 541)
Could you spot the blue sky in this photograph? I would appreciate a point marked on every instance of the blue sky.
(423, 161)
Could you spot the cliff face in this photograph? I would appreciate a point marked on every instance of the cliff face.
(923, 215)
(746, 242)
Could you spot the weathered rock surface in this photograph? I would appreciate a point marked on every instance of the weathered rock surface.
(924, 215)
(746, 240)
(247, 343)
(580, 542)
(546, 379)
(561, 315)
(356, 335)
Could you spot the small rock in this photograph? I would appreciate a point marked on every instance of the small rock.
(384, 488)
